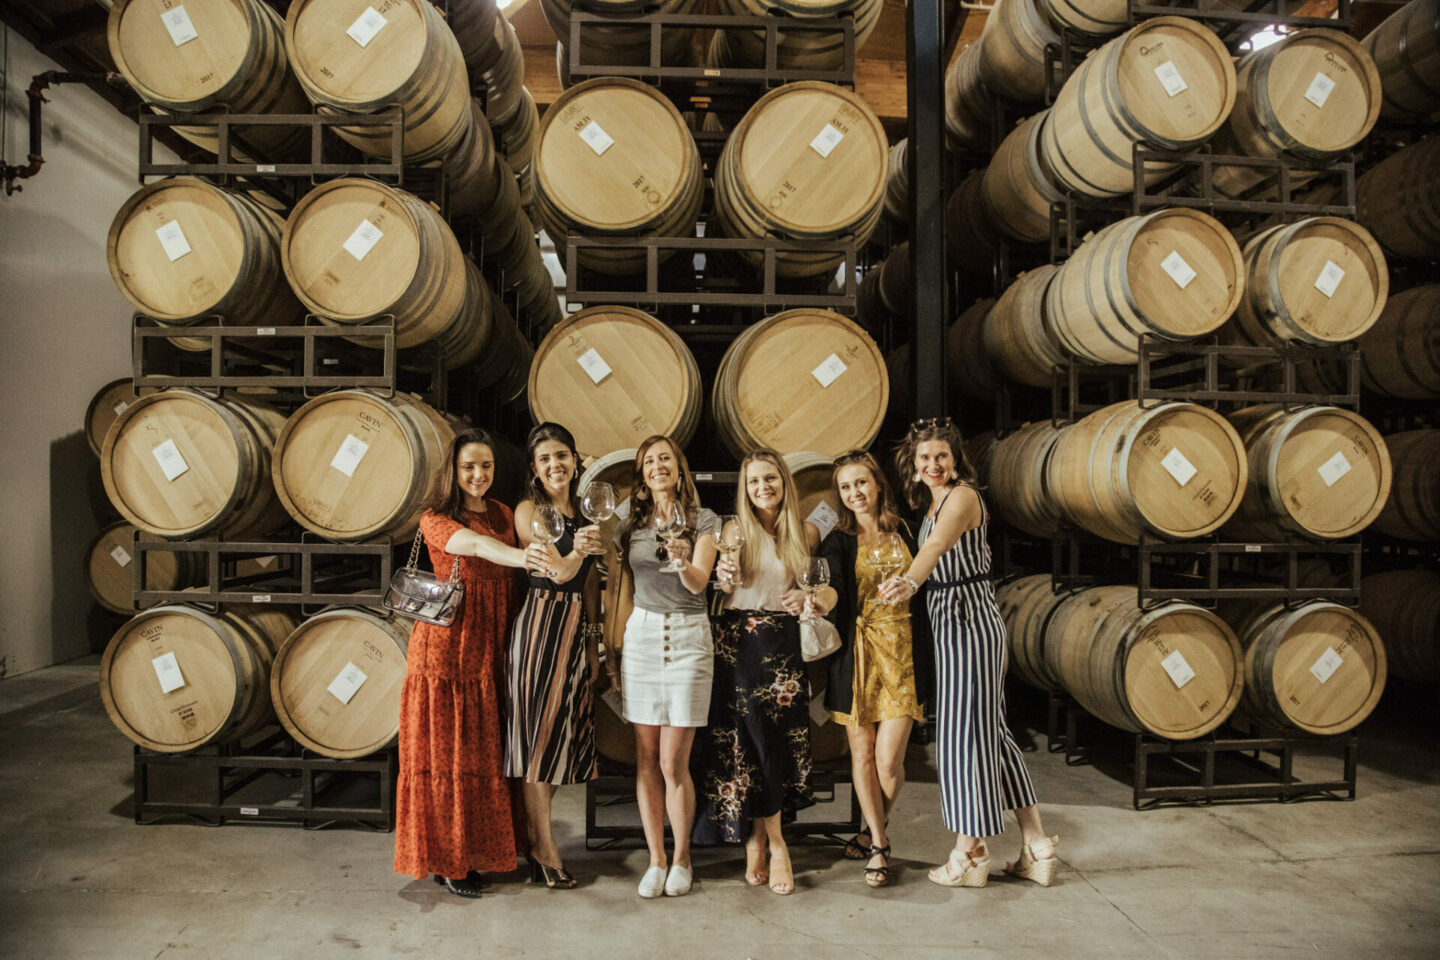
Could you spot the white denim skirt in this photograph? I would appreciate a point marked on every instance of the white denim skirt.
(667, 668)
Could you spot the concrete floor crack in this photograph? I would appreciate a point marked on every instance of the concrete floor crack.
(809, 936)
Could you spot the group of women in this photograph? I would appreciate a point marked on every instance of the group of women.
(497, 709)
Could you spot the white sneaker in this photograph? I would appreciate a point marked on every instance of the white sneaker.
(652, 884)
(679, 881)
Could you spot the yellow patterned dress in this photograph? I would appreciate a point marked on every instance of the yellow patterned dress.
(884, 678)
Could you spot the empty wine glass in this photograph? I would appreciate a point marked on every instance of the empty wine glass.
(671, 529)
(815, 575)
(598, 502)
(888, 555)
(730, 541)
(547, 525)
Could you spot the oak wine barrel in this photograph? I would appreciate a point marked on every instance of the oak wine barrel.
(897, 182)
(1174, 471)
(616, 43)
(1012, 49)
(473, 177)
(1174, 670)
(1406, 51)
(614, 376)
(1400, 353)
(1017, 335)
(108, 403)
(179, 463)
(1413, 510)
(967, 102)
(804, 379)
(970, 237)
(813, 473)
(971, 373)
(1015, 476)
(1398, 201)
(616, 468)
(1092, 18)
(1016, 189)
(1321, 472)
(805, 49)
(110, 573)
(1176, 274)
(1404, 606)
(1026, 605)
(175, 678)
(336, 681)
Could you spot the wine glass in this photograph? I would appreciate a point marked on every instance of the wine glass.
(815, 575)
(888, 555)
(598, 502)
(670, 530)
(547, 525)
(730, 541)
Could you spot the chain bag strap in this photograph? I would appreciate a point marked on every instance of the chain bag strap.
(422, 596)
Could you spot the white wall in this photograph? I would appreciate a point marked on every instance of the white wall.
(64, 332)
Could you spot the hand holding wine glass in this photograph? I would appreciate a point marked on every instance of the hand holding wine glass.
(815, 575)
(730, 541)
(888, 555)
(672, 531)
(547, 525)
(597, 503)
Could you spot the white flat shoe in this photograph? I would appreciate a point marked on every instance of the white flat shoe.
(652, 885)
(679, 881)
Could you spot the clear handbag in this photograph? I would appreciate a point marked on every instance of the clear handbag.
(422, 596)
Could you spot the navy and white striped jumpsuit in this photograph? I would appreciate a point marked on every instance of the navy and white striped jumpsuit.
(982, 773)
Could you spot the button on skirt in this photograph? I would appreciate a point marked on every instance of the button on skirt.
(667, 668)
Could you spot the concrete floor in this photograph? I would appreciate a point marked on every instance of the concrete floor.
(79, 879)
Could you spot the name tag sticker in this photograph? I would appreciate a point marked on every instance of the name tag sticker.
(826, 141)
(172, 464)
(1329, 279)
(594, 365)
(177, 22)
(1319, 90)
(172, 238)
(1334, 468)
(167, 671)
(369, 23)
(597, 138)
(824, 517)
(348, 457)
(1170, 78)
(1179, 669)
(831, 368)
(120, 555)
(1180, 271)
(623, 510)
(346, 682)
(1328, 663)
(1178, 466)
(363, 239)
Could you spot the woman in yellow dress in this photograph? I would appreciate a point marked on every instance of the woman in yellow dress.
(879, 677)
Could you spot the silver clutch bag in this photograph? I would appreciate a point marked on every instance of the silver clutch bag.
(818, 639)
(423, 596)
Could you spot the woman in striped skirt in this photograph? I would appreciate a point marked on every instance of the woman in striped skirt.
(551, 732)
(981, 770)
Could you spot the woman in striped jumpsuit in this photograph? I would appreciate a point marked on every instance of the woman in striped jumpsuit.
(981, 770)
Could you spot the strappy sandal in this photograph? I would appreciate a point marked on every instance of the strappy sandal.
(962, 870)
(878, 876)
(761, 875)
(1031, 867)
(854, 849)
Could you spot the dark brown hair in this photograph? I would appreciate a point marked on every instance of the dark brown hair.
(534, 488)
(642, 506)
(939, 428)
(887, 511)
(446, 497)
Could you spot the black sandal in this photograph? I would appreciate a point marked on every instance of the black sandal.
(554, 878)
(468, 886)
(854, 849)
(878, 876)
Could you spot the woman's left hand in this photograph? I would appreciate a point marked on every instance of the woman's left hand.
(794, 602)
(895, 590)
(587, 540)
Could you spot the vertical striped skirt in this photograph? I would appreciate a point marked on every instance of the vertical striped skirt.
(550, 737)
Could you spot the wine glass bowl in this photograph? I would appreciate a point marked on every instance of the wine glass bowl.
(547, 525)
(815, 575)
(888, 555)
(730, 540)
(671, 529)
(597, 503)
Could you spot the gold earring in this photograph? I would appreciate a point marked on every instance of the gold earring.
(917, 477)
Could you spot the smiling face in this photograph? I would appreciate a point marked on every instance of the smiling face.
(935, 462)
(858, 489)
(660, 468)
(764, 486)
(554, 465)
(474, 472)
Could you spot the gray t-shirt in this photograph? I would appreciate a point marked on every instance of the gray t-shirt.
(657, 590)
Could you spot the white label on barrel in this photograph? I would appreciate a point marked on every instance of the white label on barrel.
(264, 168)
(1180, 271)
(1328, 663)
(363, 239)
(1170, 78)
(172, 238)
(818, 714)
(167, 671)
(260, 598)
(1334, 468)
(614, 702)
(829, 370)
(171, 463)
(598, 139)
(824, 517)
(623, 510)
(1179, 669)
(120, 555)
(1179, 466)
(1319, 89)
(177, 21)
(1329, 279)
(1252, 548)
(264, 331)
(369, 23)
(826, 140)
(593, 364)
(121, 407)
(346, 682)
(348, 457)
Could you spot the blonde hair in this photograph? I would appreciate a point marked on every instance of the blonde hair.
(790, 541)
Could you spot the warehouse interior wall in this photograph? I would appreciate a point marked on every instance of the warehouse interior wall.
(64, 332)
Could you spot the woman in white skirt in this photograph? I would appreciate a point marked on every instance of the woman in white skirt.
(668, 656)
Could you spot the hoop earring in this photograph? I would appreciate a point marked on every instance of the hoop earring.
(917, 477)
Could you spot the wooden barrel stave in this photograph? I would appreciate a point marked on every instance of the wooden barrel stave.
(1027, 604)
(1017, 189)
(1413, 510)
(1398, 201)
(1016, 478)
(1404, 607)
(1017, 336)
(1012, 49)
(967, 102)
(1406, 51)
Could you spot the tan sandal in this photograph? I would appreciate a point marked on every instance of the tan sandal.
(962, 870)
(760, 875)
(1032, 867)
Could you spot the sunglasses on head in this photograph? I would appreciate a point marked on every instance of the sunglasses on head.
(929, 422)
(854, 456)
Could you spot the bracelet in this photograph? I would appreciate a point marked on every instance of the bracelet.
(593, 631)
(909, 581)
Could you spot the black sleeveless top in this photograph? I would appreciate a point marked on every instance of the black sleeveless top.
(563, 546)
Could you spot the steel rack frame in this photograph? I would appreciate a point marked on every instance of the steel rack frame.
(229, 768)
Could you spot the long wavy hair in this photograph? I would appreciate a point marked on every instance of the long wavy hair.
(887, 511)
(940, 428)
(535, 488)
(642, 504)
(790, 543)
(446, 497)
